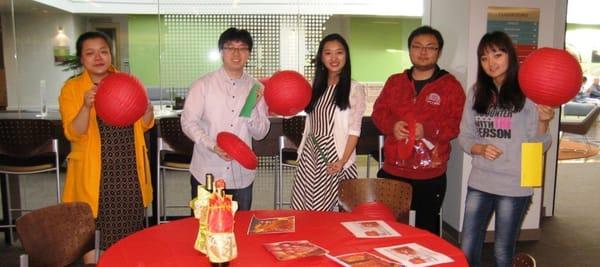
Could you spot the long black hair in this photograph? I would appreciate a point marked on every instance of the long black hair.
(342, 89)
(509, 96)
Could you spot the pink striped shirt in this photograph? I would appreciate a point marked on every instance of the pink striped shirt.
(213, 104)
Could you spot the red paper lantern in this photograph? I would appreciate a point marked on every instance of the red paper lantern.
(550, 76)
(287, 93)
(237, 149)
(121, 99)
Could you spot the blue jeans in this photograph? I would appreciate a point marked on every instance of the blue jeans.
(479, 207)
(243, 196)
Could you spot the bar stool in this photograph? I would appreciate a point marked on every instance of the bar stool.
(174, 152)
(27, 146)
(288, 153)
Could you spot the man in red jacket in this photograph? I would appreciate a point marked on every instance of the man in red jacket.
(433, 99)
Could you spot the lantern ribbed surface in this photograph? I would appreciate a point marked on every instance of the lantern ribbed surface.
(121, 99)
(287, 93)
(550, 76)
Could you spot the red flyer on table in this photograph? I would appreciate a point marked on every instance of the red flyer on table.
(414, 255)
(272, 225)
(370, 229)
(288, 250)
(363, 259)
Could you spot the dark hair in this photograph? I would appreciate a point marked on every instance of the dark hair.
(342, 89)
(91, 35)
(235, 34)
(427, 30)
(486, 94)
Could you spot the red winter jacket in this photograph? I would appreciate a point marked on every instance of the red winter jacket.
(438, 107)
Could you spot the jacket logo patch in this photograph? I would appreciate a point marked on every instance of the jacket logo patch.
(434, 99)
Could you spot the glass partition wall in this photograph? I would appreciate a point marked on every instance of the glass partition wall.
(170, 43)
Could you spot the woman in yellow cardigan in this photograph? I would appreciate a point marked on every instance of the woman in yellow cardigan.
(108, 165)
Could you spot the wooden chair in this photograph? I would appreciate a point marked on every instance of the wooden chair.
(522, 259)
(174, 152)
(26, 147)
(396, 195)
(57, 235)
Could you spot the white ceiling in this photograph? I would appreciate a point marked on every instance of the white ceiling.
(409, 8)
(26, 6)
(579, 11)
(583, 11)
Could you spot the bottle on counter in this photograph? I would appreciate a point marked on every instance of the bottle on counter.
(208, 182)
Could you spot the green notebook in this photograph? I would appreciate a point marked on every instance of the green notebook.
(250, 101)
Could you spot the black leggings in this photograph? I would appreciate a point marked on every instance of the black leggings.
(427, 199)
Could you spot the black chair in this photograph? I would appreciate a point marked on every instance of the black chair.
(26, 147)
(292, 128)
(174, 152)
(370, 143)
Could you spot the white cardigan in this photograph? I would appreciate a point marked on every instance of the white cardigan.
(346, 122)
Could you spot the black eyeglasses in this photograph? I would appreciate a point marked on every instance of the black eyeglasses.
(428, 49)
(231, 49)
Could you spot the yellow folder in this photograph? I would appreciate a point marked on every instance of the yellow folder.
(531, 164)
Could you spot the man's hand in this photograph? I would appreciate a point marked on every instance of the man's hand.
(419, 132)
(259, 93)
(219, 151)
(400, 130)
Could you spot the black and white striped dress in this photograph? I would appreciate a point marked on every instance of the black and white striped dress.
(313, 188)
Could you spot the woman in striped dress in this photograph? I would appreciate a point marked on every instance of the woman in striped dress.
(327, 151)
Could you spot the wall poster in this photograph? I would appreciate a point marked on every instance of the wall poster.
(521, 24)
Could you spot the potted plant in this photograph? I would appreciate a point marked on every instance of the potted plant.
(71, 63)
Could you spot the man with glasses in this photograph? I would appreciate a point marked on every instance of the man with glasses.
(213, 105)
(425, 101)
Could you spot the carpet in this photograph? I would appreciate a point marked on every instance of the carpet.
(569, 149)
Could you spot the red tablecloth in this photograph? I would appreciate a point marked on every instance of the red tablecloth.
(172, 244)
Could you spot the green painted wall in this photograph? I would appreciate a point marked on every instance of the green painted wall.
(185, 51)
(144, 48)
(378, 46)
(584, 41)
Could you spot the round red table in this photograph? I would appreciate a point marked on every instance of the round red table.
(171, 244)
